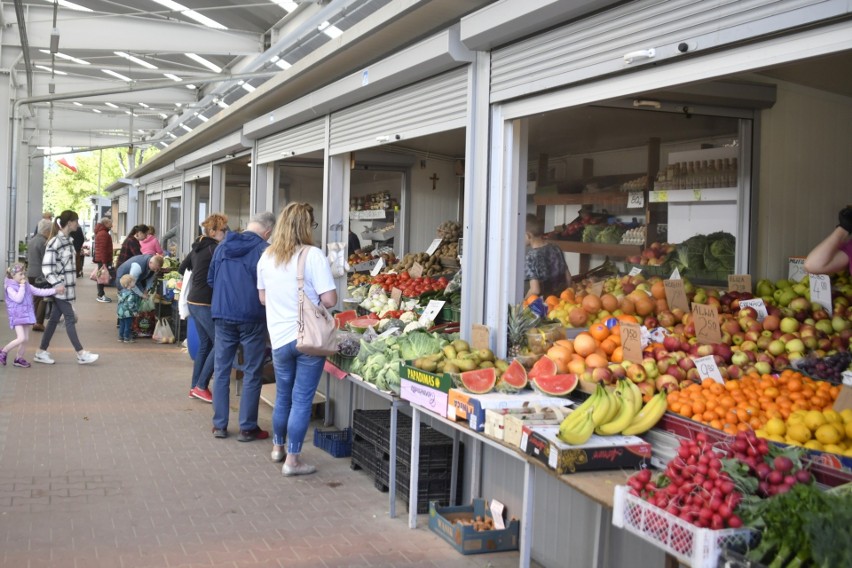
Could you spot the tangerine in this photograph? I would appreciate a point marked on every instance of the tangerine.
(599, 331)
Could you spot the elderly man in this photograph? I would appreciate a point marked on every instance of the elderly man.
(35, 254)
(240, 320)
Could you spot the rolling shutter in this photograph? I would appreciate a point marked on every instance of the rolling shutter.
(434, 105)
(600, 45)
(173, 182)
(301, 139)
(198, 172)
(122, 203)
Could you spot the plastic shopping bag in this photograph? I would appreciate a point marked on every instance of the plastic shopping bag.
(183, 302)
(163, 332)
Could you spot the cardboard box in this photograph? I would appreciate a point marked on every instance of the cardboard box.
(472, 407)
(466, 540)
(599, 453)
(425, 389)
(506, 423)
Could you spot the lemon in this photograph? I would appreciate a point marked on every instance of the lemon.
(833, 448)
(848, 428)
(848, 453)
(813, 445)
(796, 417)
(827, 435)
(776, 438)
(814, 419)
(846, 415)
(775, 426)
(799, 433)
(832, 416)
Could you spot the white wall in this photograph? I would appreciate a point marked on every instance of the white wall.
(429, 208)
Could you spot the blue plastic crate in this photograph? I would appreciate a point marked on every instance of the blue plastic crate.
(336, 442)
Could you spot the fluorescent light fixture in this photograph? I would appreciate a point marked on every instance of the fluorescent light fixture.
(140, 131)
(143, 105)
(117, 75)
(191, 87)
(248, 88)
(222, 104)
(173, 77)
(329, 30)
(191, 14)
(185, 127)
(78, 104)
(163, 115)
(209, 64)
(172, 134)
(135, 60)
(287, 5)
(280, 63)
(129, 112)
(46, 68)
(111, 105)
(70, 5)
(61, 55)
(201, 117)
(96, 110)
(164, 145)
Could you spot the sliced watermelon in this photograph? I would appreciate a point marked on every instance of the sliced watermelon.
(360, 325)
(544, 367)
(479, 381)
(556, 385)
(515, 376)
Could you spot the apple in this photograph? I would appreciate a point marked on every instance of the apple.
(671, 342)
(666, 383)
(763, 368)
(749, 345)
(704, 350)
(650, 366)
(789, 325)
(739, 359)
(617, 371)
(636, 373)
(602, 375)
(676, 372)
(795, 346)
(771, 322)
(840, 324)
(763, 342)
(734, 372)
(723, 351)
(731, 326)
(686, 363)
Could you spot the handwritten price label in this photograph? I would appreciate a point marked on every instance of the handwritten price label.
(416, 270)
(480, 336)
(676, 294)
(675, 275)
(635, 199)
(396, 295)
(597, 289)
(433, 308)
(378, 267)
(434, 246)
(707, 369)
(758, 306)
(635, 271)
(631, 341)
(821, 291)
(739, 282)
(706, 323)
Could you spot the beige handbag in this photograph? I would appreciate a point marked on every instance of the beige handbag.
(316, 334)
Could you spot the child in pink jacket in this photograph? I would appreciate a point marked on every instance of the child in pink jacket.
(19, 304)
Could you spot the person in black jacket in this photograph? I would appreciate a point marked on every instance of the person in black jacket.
(199, 299)
(78, 238)
(131, 246)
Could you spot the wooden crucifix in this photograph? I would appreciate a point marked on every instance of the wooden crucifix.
(434, 179)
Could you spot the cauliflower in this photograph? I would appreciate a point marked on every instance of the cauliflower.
(415, 325)
(408, 317)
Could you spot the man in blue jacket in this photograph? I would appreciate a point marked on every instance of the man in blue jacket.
(240, 320)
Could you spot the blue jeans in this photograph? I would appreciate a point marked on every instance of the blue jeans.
(296, 379)
(252, 338)
(124, 328)
(202, 368)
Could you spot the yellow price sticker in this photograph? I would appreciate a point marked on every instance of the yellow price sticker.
(696, 194)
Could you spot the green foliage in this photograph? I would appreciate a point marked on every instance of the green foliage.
(64, 189)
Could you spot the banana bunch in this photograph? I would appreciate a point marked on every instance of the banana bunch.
(627, 400)
(579, 426)
(648, 416)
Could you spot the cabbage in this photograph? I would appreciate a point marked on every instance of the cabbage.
(691, 253)
(720, 252)
(609, 235)
(418, 344)
(591, 232)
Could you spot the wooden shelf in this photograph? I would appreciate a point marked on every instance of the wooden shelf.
(603, 198)
(597, 248)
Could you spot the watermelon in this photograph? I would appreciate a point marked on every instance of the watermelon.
(515, 376)
(556, 385)
(360, 325)
(544, 367)
(479, 381)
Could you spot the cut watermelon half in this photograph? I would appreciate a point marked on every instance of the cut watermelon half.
(515, 375)
(479, 381)
(360, 325)
(556, 385)
(544, 367)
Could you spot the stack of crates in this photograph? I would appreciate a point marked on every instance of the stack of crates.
(371, 452)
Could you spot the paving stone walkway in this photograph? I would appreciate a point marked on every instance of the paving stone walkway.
(111, 465)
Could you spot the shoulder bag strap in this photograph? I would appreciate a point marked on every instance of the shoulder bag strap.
(300, 280)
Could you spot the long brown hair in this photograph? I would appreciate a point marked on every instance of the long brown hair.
(292, 230)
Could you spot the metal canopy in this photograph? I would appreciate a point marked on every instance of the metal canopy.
(81, 52)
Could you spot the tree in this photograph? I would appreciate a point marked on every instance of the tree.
(64, 189)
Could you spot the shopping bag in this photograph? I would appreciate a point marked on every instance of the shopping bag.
(143, 324)
(183, 302)
(147, 305)
(100, 275)
(163, 332)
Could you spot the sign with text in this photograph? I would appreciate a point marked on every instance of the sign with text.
(597, 289)
(707, 368)
(434, 246)
(416, 270)
(707, 328)
(758, 306)
(433, 308)
(396, 295)
(796, 268)
(739, 282)
(675, 275)
(676, 294)
(635, 271)
(378, 268)
(635, 199)
(480, 337)
(821, 291)
(631, 341)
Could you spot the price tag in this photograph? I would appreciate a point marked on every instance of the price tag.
(796, 268)
(396, 295)
(696, 195)
(635, 271)
(631, 341)
(758, 306)
(658, 196)
(497, 514)
(525, 437)
(635, 199)
(739, 282)
(658, 334)
(847, 378)
(675, 275)
(434, 246)
(676, 294)
(378, 268)
(706, 323)
(416, 270)
(433, 308)
(597, 289)
(707, 369)
(821, 291)
(480, 337)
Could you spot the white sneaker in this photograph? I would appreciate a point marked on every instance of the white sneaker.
(43, 357)
(85, 358)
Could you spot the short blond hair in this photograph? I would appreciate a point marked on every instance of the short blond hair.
(127, 281)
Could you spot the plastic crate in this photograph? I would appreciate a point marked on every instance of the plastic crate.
(336, 442)
(700, 548)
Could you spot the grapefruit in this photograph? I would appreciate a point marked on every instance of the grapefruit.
(544, 367)
(479, 381)
(556, 385)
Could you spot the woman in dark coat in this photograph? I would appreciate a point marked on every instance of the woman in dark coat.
(132, 245)
(103, 252)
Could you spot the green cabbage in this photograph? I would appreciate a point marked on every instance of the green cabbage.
(418, 344)
(720, 253)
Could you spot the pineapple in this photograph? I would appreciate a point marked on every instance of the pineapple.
(521, 320)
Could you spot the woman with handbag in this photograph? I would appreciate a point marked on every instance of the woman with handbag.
(103, 256)
(291, 274)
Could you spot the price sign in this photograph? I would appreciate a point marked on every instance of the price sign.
(696, 195)
(497, 509)
(739, 282)
(635, 199)
(658, 196)
(675, 275)
(635, 271)
(631, 341)
(416, 270)
(433, 308)
(706, 323)
(821, 291)
(434, 246)
(597, 289)
(707, 369)
(480, 337)
(378, 267)
(796, 269)
(396, 295)
(758, 306)
(676, 294)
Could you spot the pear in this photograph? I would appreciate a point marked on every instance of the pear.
(450, 352)
(463, 364)
(485, 354)
(461, 345)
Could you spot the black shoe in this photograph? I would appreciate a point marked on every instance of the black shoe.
(220, 433)
(252, 435)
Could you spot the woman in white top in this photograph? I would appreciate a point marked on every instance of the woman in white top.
(296, 374)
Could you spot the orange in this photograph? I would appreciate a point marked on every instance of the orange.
(609, 302)
(592, 304)
(585, 344)
(658, 290)
(530, 299)
(617, 355)
(551, 301)
(599, 331)
(596, 360)
(567, 295)
(561, 356)
(608, 346)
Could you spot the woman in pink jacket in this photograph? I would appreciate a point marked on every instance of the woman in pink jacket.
(150, 244)
(19, 304)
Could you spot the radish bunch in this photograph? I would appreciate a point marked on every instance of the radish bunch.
(776, 474)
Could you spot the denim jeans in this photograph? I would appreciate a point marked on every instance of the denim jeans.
(296, 379)
(125, 326)
(202, 368)
(252, 338)
(61, 308)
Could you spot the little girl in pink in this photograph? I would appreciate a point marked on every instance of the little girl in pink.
(19, 304)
